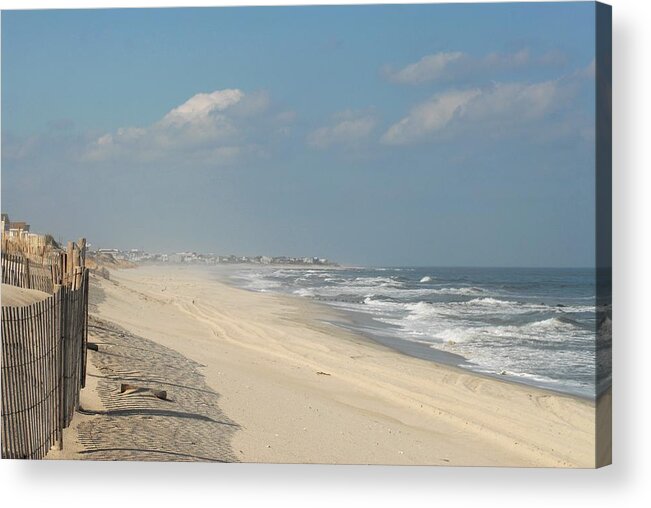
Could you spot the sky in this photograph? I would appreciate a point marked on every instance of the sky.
(426, 135)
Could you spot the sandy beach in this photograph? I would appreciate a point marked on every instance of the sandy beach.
(266, 378)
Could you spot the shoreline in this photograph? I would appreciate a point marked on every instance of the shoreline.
(305, 390)
(345, 320)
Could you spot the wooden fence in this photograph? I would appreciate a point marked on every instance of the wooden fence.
(19, 270)
(44, 271)
(30, 244)
(43, 358)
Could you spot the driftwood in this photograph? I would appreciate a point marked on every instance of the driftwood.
(127, 389)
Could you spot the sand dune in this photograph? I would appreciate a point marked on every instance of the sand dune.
(13, 296)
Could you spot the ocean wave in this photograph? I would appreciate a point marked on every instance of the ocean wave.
(387, 291)
(258, 282)
(421, 310)
(458, 291)
(371, 301)
(554, 323)
(471, 309)
(554, 328)
(422, 322)
(427, 278)
(474, 307)
(372, 282)
(490, 301)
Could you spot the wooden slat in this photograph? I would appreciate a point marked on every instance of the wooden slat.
(30, 385)
(9, 395)
(40, 373)
(9, 436)
(22, 405)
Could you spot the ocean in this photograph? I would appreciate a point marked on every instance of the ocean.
(533, 326)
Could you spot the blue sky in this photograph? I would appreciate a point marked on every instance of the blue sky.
(387, 135)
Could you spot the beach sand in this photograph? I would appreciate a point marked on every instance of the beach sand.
(14, 296)
(279, 384)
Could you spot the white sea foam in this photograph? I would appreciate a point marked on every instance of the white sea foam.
(257, 281)
(546, 330)
(427, 278)
(372, 282)
(421, 310)
(458, 291)
(490, 301)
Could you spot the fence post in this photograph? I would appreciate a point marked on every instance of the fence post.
(82, 250)
(59, 291)
(62, 268)
(27, 277)
(70, 262)
(85, 337)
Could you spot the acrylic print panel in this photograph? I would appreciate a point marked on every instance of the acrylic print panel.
(328, 234)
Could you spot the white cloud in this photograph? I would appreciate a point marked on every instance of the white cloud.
(429, 116)
(348, 128)
(492, 110)
(214, 127)
(455, 65)
(201, 106)
(428, 68)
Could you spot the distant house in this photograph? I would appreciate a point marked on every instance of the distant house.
(183, 257)
(14, 229)
(5, 223)
(19, 226)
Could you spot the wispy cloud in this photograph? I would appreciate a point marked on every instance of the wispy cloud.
(429, 68)
(455, 65)
(429, 116)
(492, 109)
(347, 128)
